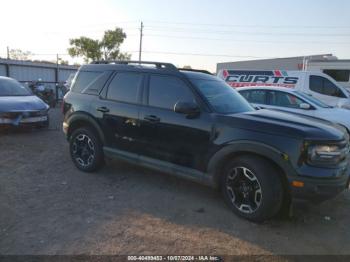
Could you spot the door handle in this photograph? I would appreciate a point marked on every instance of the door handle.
(152, 119)
(103, 109)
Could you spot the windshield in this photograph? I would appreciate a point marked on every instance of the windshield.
(223, 98)
(11, 87)
(313, 100)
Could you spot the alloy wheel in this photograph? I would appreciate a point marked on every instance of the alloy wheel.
(83, 150)
(244, 189)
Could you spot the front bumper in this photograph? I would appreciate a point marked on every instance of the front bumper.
(23, 118)
(319, 189)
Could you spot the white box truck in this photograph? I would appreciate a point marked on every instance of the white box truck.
(316, 84)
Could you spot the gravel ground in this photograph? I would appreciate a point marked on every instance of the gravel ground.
(47, 206)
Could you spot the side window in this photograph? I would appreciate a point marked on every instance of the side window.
(257, 97)
(316, 84)
(331, 89)
(124, 87)
(338, 74)
(90, 82)
(245, 94)
(277, 98)
(323, 86)
(166, 91)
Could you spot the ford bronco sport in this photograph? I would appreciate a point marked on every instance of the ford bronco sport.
(193, 125)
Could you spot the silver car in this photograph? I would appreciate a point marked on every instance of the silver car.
(290, 100)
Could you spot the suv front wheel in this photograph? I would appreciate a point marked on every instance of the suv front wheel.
(86, 150)
(252, 187)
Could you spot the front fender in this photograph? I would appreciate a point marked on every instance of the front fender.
(236, 148)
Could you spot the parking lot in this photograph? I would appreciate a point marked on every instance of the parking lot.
(49, 207)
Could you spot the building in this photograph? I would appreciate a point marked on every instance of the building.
(26, 71)
(338, 69)
(287, 63)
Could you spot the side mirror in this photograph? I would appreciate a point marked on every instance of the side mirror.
(188, 108)
(304, 106)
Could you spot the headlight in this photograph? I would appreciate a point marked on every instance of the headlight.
(327, 154)
(42, 112)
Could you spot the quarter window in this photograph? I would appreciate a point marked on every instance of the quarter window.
(124, 87)
(166, 91)
(90, 82)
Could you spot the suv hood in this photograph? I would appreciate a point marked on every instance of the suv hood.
(21, 103)
(286, 124)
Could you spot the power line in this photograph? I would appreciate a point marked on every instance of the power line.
(240, 40)
(188, 30)
(202, 54)
(242, 25)
(168, 53)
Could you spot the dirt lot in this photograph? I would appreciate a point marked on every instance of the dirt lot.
(48, 207)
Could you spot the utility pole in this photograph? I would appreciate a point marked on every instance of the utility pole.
(57, 60)
(8, 53)
(141, 36)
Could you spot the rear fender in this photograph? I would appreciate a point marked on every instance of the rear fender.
(79, 119)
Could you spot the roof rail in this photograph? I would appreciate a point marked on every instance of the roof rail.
(158, 65)
(195, 70)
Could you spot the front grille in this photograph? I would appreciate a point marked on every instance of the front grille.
(24, 114)
(37, 113)
(10, 115)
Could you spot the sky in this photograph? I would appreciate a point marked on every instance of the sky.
(199, 33)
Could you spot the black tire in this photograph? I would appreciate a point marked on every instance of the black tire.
(86, 150)
(240, 182)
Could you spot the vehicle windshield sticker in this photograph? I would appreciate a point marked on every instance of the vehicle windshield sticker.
(244, 78)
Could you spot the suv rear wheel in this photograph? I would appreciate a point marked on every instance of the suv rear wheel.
(86, 150)
(252, 187)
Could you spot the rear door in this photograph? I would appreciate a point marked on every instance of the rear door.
(118, 110)
(170, 136)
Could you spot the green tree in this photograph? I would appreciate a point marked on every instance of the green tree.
(18, 54)
(108, 48)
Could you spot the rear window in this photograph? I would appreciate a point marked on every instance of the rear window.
(338, 75)
(89, 82)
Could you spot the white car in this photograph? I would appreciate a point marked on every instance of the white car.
(294, 101)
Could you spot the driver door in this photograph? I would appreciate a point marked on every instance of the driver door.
(169, 136)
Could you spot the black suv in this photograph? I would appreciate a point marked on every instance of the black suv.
(193, 125)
